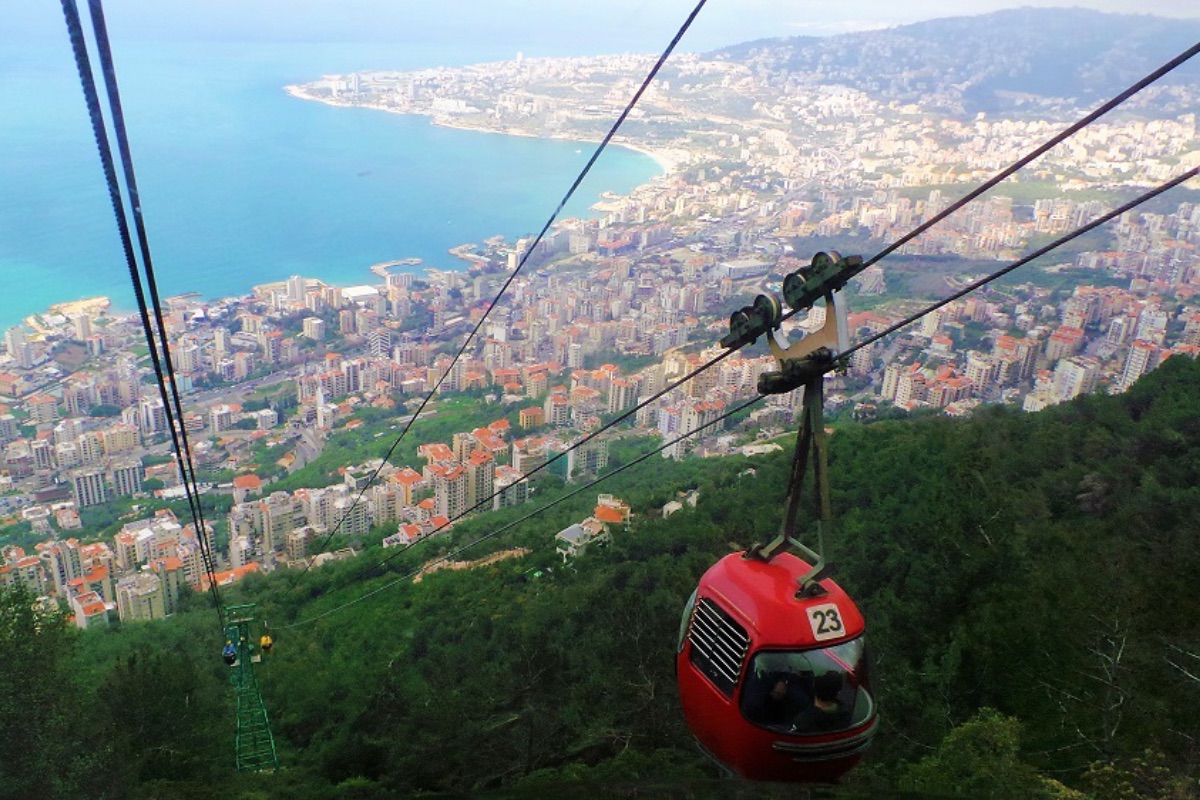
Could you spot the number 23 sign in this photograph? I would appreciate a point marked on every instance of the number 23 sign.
(826, 622)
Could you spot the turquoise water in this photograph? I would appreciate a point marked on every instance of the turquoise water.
(242, 184)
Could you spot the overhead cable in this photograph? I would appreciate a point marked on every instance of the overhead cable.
(1041, 251)
(974, 194)
(186, 462)
(1192, 173)
(687, 23)
(541, 509)
(96, 116)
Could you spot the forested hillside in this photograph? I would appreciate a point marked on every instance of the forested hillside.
(1028, 580)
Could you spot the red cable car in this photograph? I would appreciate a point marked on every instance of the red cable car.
(773, 680)
(771, 661)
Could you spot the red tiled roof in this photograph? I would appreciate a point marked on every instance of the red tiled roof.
(407, 476)
(249, 481)
(608, 514)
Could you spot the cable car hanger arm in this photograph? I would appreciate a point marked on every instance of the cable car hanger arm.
(802, 364)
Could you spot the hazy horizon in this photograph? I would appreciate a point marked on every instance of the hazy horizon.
(538, 27)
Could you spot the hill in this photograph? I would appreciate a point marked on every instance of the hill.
(1040, 565)
(1013, 60)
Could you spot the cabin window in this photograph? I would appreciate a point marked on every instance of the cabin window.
(815, 691)
(683, 622)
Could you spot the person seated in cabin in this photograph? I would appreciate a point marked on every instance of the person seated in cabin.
(827, 712)
(774, 698)
(229, 654)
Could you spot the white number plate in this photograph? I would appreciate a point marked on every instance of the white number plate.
(826, 622)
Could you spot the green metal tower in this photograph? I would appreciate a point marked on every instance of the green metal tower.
(255, 746)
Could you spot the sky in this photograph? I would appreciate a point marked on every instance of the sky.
(538, 27)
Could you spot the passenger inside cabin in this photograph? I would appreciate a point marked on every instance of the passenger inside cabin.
(775, 694)
(827, 712)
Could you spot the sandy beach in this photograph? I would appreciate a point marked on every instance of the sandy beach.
(670, 160)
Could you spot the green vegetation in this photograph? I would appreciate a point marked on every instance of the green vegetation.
(1028, 582)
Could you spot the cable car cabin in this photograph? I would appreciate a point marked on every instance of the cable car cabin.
(266, 643)
(775, 686)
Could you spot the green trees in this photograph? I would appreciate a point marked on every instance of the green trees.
(49, 729)
(166, 716)
(981, 759)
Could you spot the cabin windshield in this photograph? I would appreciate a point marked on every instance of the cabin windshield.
(824, 690)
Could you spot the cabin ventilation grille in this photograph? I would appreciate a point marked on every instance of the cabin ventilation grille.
(719, 645)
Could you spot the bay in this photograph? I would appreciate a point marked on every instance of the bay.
(242, 184)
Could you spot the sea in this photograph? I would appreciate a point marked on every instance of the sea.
(242, 184)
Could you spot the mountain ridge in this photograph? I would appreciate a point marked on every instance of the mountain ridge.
(998, 62)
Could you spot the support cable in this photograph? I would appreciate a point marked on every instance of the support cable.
(96, 115)
(1052, 142)
(545, 464)
(521, 264)
(1041, 251)
(1192, 173)
(1007, 172)
(186, 461)
(493, 534)
(957, 205)
(981, 189)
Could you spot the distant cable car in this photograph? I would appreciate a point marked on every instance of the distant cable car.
(774, 681)
(229, 654)
(266, 643)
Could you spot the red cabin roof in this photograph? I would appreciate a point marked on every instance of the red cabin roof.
(764, 597)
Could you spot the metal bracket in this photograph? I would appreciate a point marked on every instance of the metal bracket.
(810, 439)
(824, 277)
(833, 335)
(804, 364)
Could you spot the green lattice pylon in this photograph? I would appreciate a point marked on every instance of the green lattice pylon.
(254, 747)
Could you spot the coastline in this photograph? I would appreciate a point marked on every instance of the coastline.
(670, 161)
(667, 161)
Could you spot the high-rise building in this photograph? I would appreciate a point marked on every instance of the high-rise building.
(8, 428)
(220, 418)
(1139, 361)
(591, 457)
(62, 563)
(449, 488)
(314, 328)
(140, 597)
(297, 288)
(43, 408)
(89, 486)
(1075, 376)
(82, 326)
(351, 518)
(152, 417)
(222, 344)
(481, 473)
(379, 341)
(278, 515)
(43, 454)
(510, 486)
(186, 355)
(17, 342)
(91, 447)
(126, 476)
(170, 573)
